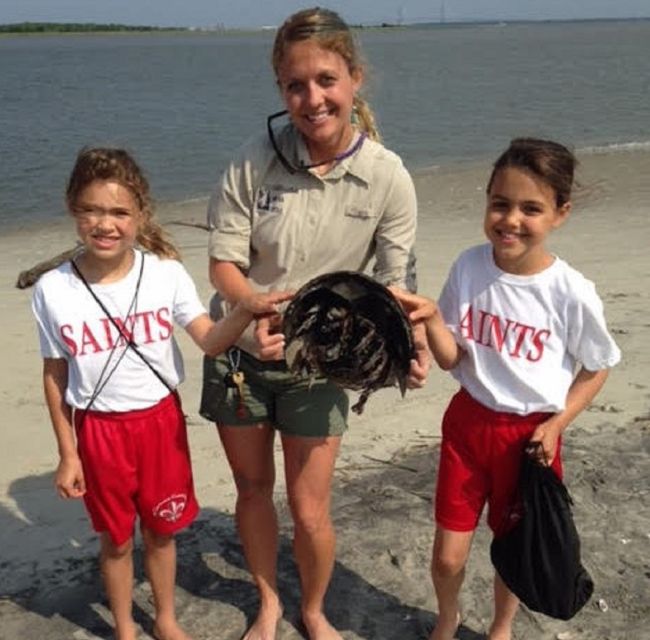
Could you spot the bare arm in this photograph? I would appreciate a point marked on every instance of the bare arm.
(215, 337)
(583, 390)
(228, 280)
(421, 362)
(232, 284)
(69, 477)
(423, 312)
(442, 342)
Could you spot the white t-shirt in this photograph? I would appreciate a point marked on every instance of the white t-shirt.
(523, 335)
(73, 326)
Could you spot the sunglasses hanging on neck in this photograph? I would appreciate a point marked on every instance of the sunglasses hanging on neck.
(301, 166)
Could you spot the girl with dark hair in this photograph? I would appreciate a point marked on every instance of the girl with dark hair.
(525, 336)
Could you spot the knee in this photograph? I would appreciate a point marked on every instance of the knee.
(447, 565)
(154, 541)
(112, 551)
(310, 518)
(253, 489)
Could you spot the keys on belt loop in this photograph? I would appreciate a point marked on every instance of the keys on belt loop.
(234, 379)
(234, 357)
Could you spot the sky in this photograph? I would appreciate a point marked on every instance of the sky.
(258, 13)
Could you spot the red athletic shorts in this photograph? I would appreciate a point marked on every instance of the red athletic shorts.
(480, 458)
(137, 463)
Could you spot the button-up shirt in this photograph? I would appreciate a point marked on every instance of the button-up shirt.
(283, 229)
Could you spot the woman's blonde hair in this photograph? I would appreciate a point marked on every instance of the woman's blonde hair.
(105, 163)
(333, 34)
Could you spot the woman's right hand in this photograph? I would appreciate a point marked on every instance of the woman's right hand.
(269, 337)
(69, 479)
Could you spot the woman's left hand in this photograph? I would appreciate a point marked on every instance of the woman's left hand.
(421, 364)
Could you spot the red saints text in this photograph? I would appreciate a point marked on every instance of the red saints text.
(143, 327)
(504, 335)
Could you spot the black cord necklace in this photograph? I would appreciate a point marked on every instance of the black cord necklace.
(292, 168)
(103, 376)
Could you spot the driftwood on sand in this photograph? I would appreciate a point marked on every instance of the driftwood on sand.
(29, 277)
(197, 225)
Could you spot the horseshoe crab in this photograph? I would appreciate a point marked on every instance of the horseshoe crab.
(347, 327)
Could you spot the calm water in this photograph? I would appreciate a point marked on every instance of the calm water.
(183, 103)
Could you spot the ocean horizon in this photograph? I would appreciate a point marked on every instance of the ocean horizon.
(182, 103)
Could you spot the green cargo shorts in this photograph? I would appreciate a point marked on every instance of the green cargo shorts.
(273, 395)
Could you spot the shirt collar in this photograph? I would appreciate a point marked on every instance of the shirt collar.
(359, 165)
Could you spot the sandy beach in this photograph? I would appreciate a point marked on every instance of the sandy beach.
(49, 580)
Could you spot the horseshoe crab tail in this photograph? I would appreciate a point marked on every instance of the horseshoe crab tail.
(360, 404)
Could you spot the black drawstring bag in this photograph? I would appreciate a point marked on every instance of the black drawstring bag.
(539, 557)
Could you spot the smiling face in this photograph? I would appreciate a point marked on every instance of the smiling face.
(108, 218)
(318, 90)
(521, 211)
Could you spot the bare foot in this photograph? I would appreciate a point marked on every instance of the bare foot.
(169, 630)
(128, 633)
(266, 624)
(319, 628)
(446, 627)
(499, 634)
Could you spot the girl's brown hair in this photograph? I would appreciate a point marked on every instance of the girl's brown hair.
(333, 34)
(104, 163)
(548, 160)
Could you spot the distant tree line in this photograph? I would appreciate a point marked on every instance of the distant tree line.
(75, 27)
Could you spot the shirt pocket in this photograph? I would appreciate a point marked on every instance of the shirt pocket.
(360, 212)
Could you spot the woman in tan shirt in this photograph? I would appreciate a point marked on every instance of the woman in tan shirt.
(315, 195)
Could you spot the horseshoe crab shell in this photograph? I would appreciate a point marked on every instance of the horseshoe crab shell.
(347, 327)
